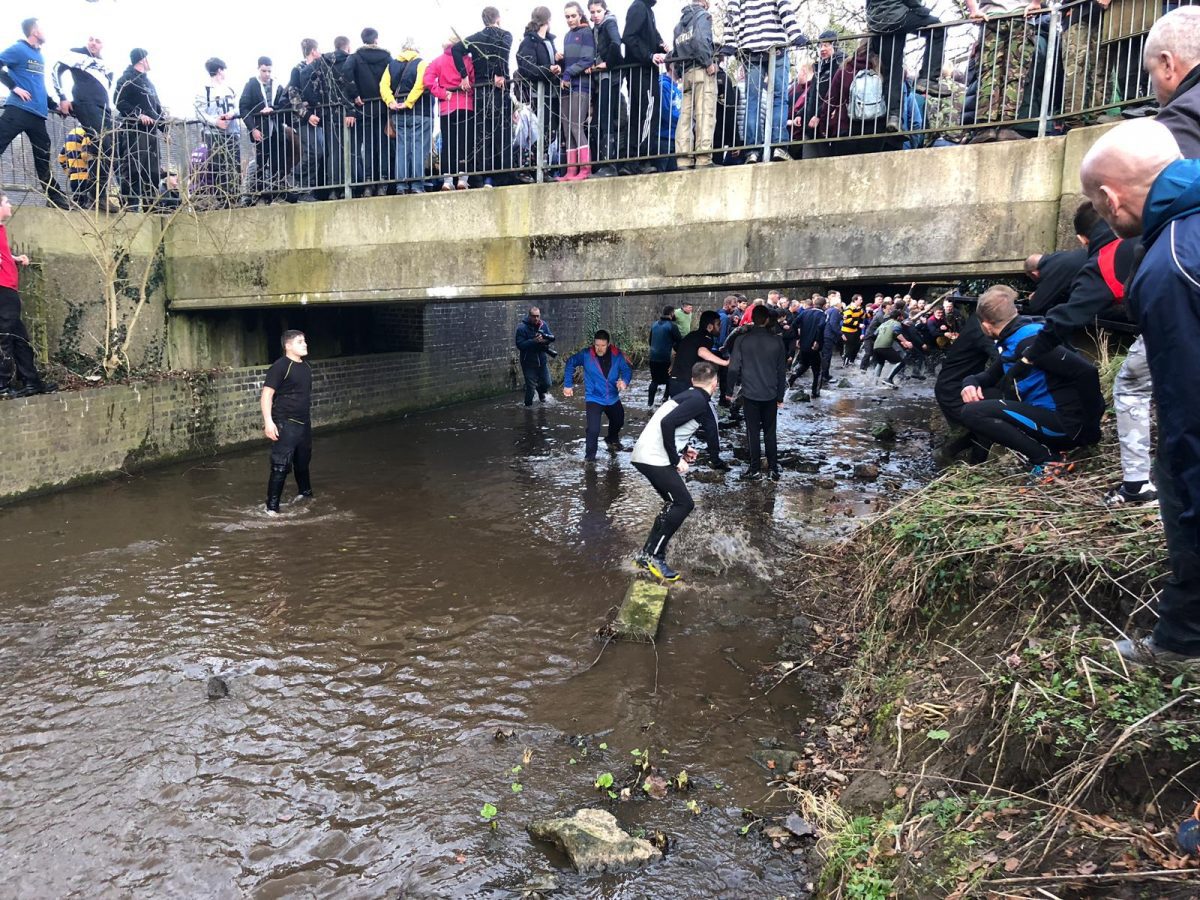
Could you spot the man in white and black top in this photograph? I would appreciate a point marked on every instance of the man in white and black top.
(217, 107)
(286, 404)
(662, 454)
(91, 82)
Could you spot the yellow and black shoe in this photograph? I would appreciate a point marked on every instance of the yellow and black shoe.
(659, 569)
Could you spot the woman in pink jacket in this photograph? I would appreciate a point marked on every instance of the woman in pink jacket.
(456, 103)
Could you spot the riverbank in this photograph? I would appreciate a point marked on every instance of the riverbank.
(988, 741)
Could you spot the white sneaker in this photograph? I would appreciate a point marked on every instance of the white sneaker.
(1146, 495)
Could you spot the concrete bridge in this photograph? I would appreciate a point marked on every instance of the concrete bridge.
(928, 214)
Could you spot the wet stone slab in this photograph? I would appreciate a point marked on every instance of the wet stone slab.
(638, 617)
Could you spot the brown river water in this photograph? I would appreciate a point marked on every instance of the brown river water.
(446, 584)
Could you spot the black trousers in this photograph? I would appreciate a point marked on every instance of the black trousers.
(268, 163)
(1032, 431)
(293, 450)
(1178, 627)
(761, 419)
(850, 347)
(14, 339)
(890, 47)
(805, 360)
(645, 101)
(140, 167)
(493, 134)
(678, 505)
(606, 110)
(616, 418)
(660, 373)
(827, 355)
(16, 121)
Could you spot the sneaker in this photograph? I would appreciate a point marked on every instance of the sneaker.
(750, 475)
(642, 561)
(659, 569)
(462, 183)
(614, 446)
(1121, 495)
(752, 158)
(892, 123)
(780, 155)
(303, 497)
(776, 473)
(1144, 652)
(272, 513)
(448, 185)
(886, 382)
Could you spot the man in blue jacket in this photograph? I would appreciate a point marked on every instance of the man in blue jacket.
(23, 72)
(606, 372)
(1057, 404)
(1137, 180)
(810, 337)
(533, 340)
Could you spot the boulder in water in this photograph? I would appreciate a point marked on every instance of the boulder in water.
(594, 842)
(217, 688)
(866, 471)
(884, 433)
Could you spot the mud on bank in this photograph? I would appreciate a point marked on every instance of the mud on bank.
(988, 740)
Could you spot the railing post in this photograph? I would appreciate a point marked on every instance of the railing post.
(769, 103)
(543, 126)
(347, 156)
(1051, 55)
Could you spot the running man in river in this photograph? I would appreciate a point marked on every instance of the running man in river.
(662, 454)
(606, 372)
(286, 401)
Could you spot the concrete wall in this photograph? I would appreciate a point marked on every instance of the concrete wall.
(459, 351)
(937, 213)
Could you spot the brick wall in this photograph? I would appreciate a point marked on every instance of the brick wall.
(61, 439)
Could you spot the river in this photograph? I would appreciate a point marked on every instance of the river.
(445, 587)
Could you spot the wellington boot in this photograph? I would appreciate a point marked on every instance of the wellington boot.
(584, 155)
(572, 167)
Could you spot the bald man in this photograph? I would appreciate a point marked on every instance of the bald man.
(1137, 180)
(1172, 59)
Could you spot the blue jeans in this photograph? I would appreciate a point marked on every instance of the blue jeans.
(756, 78)
(414, 142)
(537, 377)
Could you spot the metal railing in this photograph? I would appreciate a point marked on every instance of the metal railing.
(1006, 76)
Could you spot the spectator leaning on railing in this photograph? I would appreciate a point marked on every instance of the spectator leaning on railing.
(606, 86)
(759, 31)
(403, 90)
(644, 52)
(892, 21)
(91, 81)
(490, 49)
(217, 106)
(694, 57)
(1009, 45)
(141, 117)
(364, 69)
(260, 105)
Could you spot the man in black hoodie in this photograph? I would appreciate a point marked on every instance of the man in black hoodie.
(489, 50)
(816, 101)
(1172, 58)
(644, 52)
(759, 365)
(606, 93)
(141, 116)
(317, 91)
(91, 81)
(364, 69)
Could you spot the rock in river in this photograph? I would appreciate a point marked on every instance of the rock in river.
(594, 842)
(217, 688)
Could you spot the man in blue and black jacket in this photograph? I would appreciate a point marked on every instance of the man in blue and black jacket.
(533, 340)
(1053, 401)
(606, 372)
(1137, 181)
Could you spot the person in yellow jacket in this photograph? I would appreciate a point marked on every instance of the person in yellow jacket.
(402, 88)
(852, 320)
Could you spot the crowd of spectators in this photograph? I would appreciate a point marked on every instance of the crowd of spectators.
(609, 98)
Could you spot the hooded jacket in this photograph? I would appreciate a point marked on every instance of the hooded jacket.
(755, 26)
(693, 43)
(1060, 380)
(136, 96)
(664, 338)
(759, 364)
(641, 36)
(90, 78)
(443, 81)
(608, 41)
(364, 69)
(1182, 115)
(579, 55)
(318, 86)
(598, 387)
(1090, 297)
(816, 101)
(534, 58)
(404, 82)
(1164, 295)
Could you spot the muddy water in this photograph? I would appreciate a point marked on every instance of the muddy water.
(445, 585)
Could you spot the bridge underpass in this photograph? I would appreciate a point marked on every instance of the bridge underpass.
(890, 217)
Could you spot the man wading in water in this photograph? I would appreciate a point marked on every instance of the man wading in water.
(662, 454)
(286, 398)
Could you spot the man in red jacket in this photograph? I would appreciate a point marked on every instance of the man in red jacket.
(14, 339)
